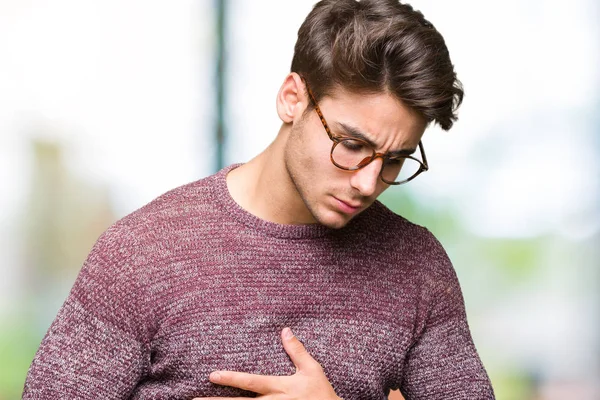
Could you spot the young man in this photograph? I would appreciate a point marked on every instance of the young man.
(205, 278)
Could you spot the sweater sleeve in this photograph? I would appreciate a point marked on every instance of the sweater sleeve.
(96, 348)
(443, 362)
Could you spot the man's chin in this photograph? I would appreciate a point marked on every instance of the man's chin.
(334, 220)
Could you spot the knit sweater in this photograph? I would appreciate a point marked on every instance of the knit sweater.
(192, 283)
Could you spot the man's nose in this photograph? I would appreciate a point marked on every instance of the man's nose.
(365, 179)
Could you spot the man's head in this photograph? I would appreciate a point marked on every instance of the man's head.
(375, 69)
(378, 46)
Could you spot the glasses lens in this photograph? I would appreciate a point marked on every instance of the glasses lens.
(398, 170)
(351, 153)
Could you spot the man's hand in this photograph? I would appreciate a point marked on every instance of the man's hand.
(308, 383)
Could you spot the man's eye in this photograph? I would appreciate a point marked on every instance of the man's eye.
(353, 145)
(394, 161)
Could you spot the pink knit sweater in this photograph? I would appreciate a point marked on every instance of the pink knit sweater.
(192, 283)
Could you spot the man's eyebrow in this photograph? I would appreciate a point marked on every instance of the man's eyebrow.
(355, 133)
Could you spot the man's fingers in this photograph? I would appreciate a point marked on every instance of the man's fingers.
(260, 384)
(295, 349)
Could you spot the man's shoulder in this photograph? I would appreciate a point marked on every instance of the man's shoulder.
(151, 234)
(392, 225)
(184, 203)
(188, 198)
(413, 245)
(179, 209)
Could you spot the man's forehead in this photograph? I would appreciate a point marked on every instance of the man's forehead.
(383, 100)
(354, 132)
(365, 116)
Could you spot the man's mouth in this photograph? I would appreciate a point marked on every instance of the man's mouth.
(348, 207)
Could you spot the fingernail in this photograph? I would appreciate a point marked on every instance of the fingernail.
(215, 377)
(287, 333)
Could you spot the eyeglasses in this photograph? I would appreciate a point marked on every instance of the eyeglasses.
(352, 154)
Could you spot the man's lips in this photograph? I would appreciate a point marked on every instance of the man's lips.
(348, 207)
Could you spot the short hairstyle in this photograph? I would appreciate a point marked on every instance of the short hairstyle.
(376, 46)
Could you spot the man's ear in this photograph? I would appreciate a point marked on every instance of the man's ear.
(291, 99)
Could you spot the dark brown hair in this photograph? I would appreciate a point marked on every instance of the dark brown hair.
(376, 46)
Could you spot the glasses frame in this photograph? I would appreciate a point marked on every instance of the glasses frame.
(424, 166)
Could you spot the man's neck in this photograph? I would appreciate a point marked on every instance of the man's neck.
(264, 188)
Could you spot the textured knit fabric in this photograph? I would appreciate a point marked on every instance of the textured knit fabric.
(192, 283)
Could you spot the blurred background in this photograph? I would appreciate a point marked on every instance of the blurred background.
(106, 105)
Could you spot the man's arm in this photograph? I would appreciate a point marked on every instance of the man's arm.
(443, 362)
(96, 347)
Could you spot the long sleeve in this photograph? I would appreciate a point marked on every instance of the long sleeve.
(443, 362)
(96, 348)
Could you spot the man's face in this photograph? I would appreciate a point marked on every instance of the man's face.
(334, 196)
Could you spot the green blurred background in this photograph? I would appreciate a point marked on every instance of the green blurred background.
(106, 105)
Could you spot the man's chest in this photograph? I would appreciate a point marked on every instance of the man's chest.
(358, 325)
